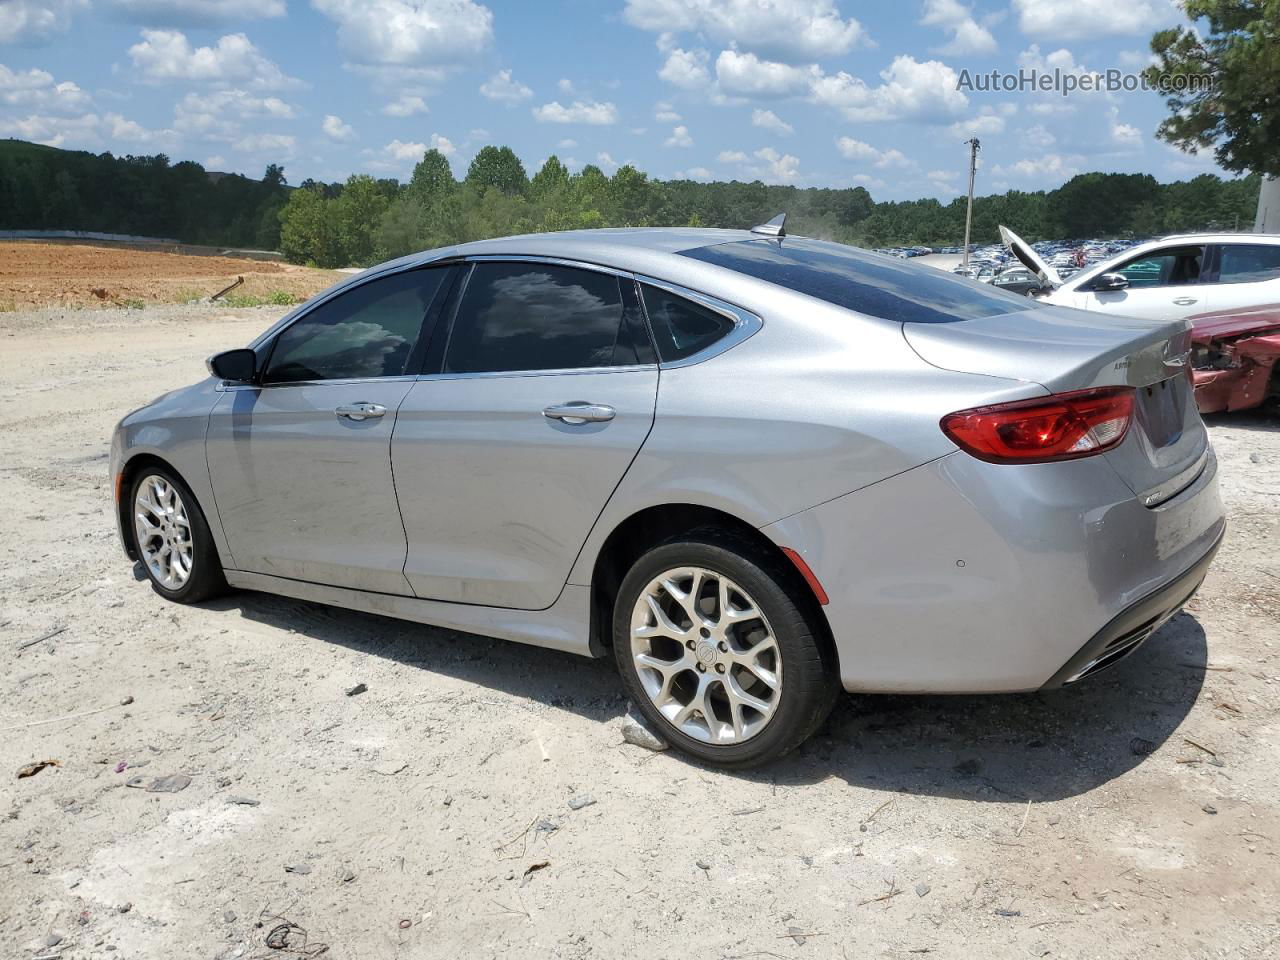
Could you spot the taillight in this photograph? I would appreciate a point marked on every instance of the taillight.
(1063, 426)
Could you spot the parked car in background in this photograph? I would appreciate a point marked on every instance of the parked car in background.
(753, 469)
(1236, 359)
(1172, 277)
(1018, 280)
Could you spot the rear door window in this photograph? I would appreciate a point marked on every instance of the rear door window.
(1249, 263)
(536, 316)
(858, 280)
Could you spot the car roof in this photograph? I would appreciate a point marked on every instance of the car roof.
(1266, 238)
(627, 248)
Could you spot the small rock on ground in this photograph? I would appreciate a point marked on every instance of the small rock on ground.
(635, 731)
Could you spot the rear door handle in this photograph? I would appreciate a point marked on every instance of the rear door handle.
(1184, 301)
(579, 411)
(361, 411)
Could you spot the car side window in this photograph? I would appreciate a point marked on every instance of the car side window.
(680, 326)
(1249, 263)
(539, 316)
(1171, 267)
(369, 331)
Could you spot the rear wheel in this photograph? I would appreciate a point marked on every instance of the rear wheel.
(721, 650)
(173, 539)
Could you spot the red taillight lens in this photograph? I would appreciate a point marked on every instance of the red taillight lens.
(1063, 426)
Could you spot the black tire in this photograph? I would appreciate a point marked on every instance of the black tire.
(810, 678)
(206, 580)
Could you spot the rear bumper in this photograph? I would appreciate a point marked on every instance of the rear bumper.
(966, 577)
(1128, 631)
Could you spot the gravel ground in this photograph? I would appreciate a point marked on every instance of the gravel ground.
(440, 813)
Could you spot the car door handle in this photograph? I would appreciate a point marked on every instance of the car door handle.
(579, 411)
(1184, 301)
(361, 411)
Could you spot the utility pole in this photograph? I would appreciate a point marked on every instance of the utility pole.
(974, 147)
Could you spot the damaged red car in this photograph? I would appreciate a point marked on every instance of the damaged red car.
(1234, 358)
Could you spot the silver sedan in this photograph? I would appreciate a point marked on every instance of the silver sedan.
(755, 469)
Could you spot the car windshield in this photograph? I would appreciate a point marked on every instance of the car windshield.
(848, 277)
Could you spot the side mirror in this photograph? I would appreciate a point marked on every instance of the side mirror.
(240, 365)
(1109, 282)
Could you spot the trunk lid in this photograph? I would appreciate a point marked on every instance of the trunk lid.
(1064, 349)
(1029, 258)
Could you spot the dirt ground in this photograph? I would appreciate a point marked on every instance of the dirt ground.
(34, 275)
(430, 815)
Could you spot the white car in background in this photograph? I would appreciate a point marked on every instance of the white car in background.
(1168, 278)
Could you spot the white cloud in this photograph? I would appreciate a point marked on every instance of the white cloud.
(606, 162)
(409, 32)
(88, 130)
(195, 13)
(663, 113)
(967, 35)
(694, 173)
(769, 120)
(502, 87)
(277, 144)
(405, 106)
(34, 22)
(1123, 134)
(911, 91)
(745, 74)
(1047, 168)
(987, 123)
(588, 112)
(686, 69)
(1039, 137)
(404, 152)
(780, 167)
(567, 144)
(335, 129)
(215, 161)
(765, 164)
(1061, 20)
(789, 29)
(679, 138)
(1135, 59)
(166, 55)
(852, 149)
(216, 115)
(566, 86)
(35, 89)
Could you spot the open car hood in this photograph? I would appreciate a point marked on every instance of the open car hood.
(1029, 258)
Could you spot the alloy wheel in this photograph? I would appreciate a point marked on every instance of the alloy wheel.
(163, 532)
(706, 655)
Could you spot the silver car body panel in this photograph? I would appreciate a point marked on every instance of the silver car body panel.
(819, 427)
(304, 493)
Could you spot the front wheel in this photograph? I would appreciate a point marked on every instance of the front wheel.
(722, 651)
(173, 539)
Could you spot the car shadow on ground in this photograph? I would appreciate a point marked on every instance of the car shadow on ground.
(1256, 419)
(1012, 747)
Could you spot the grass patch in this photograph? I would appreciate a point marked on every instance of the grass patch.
(276, 298)
(133, 303)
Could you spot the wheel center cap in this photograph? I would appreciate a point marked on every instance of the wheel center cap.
(706, 653)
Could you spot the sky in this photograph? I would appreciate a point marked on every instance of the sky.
(824, 93)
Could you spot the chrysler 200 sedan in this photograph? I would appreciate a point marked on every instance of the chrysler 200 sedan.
(755, 469)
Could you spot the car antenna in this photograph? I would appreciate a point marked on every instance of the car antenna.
(774, 228)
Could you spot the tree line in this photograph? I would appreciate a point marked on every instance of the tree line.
(365, 220)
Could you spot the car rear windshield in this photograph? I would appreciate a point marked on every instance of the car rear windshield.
(866, 282)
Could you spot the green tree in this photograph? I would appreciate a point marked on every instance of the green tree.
(552, 178)
(497, 167)
(1222, 84)
(308, 231)
(357, 213)
(432, 178)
